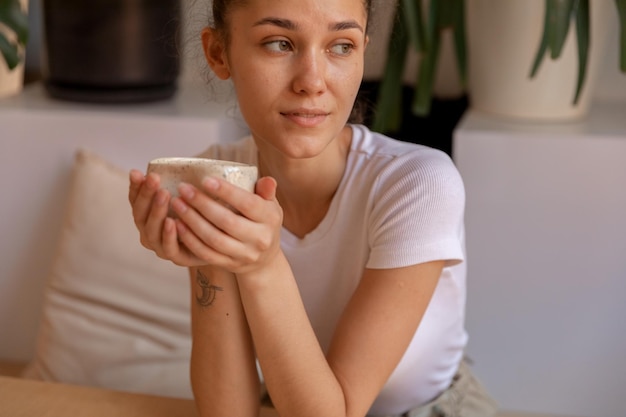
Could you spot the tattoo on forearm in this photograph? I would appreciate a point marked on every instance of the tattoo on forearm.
(208, 290)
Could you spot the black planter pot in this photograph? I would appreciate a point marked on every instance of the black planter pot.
(111, 51)
(435, 130)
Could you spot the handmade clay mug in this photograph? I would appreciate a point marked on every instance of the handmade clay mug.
(174, 170)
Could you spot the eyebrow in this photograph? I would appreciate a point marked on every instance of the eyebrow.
(291, 25)
(277, 21)
(345, 25)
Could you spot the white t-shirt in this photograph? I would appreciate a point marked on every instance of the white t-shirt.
(398, 204)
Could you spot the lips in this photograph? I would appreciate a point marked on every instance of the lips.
(306, 117)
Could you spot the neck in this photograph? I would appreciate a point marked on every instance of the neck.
(306, 187)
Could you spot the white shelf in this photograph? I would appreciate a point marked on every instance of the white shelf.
(546, 239)
(190, 101)
(606, 119)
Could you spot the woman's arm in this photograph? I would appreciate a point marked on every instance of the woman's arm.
(372, 334)
(223, 365)
(370, 339)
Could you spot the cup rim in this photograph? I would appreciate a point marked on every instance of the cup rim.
(179, 160)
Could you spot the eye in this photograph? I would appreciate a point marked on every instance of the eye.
(278, 46)
(342, 49)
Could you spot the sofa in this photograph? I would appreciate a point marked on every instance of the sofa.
(81, 300)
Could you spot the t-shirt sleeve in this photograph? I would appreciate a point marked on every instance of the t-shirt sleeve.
(418, 204)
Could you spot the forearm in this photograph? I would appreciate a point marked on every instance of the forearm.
(295, 370)
(223, 368)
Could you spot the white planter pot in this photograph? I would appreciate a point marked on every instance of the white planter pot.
(11, 82)
(503, 38)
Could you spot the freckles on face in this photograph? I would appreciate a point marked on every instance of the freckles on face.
(290, 29)
(297, 65)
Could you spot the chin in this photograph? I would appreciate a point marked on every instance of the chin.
(300, 143)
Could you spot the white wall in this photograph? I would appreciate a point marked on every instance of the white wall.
(546, 240)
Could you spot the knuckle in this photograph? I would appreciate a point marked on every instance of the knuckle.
(264, 243)
(216, 241)
(204, 255)
(228, 221)
(276, 217)
(144, 242)
(247, 205)
(145, 192)
(248, 258)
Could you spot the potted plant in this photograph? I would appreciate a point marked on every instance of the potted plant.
(493, 54)
(13, 38)
(558, 16)
(411, 30)
(510, 77)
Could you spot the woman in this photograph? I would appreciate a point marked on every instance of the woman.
(342, 276)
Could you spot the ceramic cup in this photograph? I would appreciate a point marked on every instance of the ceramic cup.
(173, 171)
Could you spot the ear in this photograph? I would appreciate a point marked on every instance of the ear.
(215, 53)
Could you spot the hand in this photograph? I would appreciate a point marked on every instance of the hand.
(226, 226)
(157, 231)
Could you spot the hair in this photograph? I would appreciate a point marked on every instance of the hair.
(220, 15)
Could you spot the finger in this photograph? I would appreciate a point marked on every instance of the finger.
(242, 201)
(259, 217)
(212, 220)
(198, 248)
(153, 226)
(172, 247)
(143, 200)
(136, 179)
(266, 188)
(169, 239)
(211, 223)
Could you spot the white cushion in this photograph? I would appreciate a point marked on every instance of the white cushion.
(115, 315)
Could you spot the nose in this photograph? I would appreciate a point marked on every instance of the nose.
(310, 73)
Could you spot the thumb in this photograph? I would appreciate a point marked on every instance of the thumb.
(266, 188)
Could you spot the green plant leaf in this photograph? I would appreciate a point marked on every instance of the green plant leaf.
(582, 34)
(13, 17)
(9, 52)
(422, 99)
(445, 13)
(442, 15)
(621, 8)
(388, 114)
(545, 37)
(414, 23)
(460, 46)
(560, 15)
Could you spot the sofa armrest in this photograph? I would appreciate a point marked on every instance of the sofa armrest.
(11, 368)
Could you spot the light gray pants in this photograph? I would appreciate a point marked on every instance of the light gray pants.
(466, 397)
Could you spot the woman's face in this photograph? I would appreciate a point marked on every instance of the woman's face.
(296, 66)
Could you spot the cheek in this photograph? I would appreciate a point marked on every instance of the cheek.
(349, 80)
(258, 81)
(255, 96)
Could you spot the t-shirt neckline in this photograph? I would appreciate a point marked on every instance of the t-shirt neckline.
(327, 222)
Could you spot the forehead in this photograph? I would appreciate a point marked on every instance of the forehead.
(311, 11)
